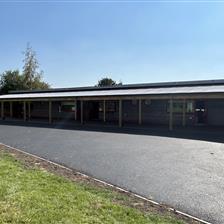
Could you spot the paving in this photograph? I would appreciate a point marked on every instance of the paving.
(184, 173)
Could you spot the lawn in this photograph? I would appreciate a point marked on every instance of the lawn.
(34, 195)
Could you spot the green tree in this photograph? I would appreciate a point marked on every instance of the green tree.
(11, 80)
(32, 76)
(107, 82)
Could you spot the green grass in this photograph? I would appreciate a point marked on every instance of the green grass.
(36, 196)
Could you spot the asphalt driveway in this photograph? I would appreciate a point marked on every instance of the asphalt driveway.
(185, 174)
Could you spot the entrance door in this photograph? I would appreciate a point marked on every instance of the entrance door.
(200, 112)
(17, 110)
(94, 111)
(91, 110)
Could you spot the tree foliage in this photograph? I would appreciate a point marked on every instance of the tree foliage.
(31, 74)
(107, 82)
(30, 79)
(11, 80)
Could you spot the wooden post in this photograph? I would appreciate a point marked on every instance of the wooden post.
(81, 119)
(171, 115)
(29, 112)
(120, 113)
(50, 112)
(184, 113)
(2, 110)
(11, 109)
(75, 110)
(24, 110)
(140, 111)
(104, 111)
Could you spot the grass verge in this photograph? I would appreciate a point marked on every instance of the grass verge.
(29, 193)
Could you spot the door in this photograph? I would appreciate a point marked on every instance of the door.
(200, 112)
(91, 110)
(94, 111)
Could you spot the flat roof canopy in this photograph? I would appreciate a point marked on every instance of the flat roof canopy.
(119, 92)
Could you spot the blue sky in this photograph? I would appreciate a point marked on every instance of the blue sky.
(78, 43)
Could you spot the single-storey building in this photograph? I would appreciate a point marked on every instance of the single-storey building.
(189, 103)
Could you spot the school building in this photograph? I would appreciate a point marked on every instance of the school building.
(190, 103)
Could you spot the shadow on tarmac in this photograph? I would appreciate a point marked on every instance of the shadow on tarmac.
(204, 133)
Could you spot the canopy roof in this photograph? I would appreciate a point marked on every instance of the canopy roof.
(119, 92)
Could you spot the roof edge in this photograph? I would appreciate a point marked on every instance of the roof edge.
(128, 86)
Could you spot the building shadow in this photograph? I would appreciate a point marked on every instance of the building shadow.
(203, 133)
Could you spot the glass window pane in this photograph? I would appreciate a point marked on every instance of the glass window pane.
(178, 107)
(189, 107)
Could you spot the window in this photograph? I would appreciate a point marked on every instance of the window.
(100, 106)
(189, 107)
(67, 107)
(111, 106)
(147, 102)
(179, 105)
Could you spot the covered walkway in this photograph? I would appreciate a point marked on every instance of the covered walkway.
(196, 103)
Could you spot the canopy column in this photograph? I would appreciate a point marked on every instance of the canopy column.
(104, 111)
(50, 112)
(29, 111)
(139, 111)
(171, 115)
(120, 113)
(11, 109)
(81, 107)
(184, 113)
(2, 110)
(24, 110)
(75, 110)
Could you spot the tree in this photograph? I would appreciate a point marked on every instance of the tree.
(31, 74)
(31, 78)
(11, 80)
(107, 82)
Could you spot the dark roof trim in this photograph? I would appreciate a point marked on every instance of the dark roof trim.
(129, 86)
